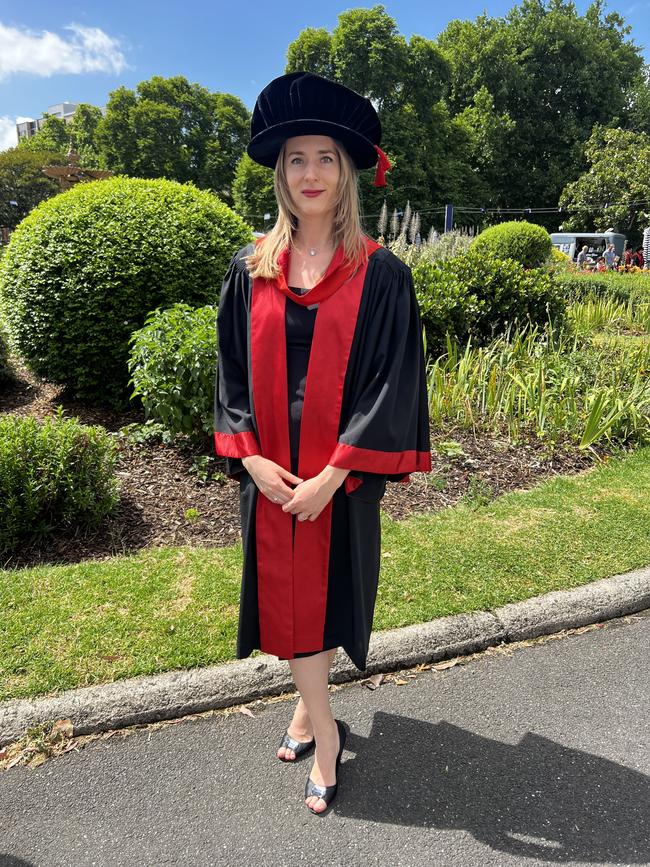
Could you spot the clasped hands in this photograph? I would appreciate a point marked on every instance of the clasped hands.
(310, 496)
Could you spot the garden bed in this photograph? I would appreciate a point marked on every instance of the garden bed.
(164, 503)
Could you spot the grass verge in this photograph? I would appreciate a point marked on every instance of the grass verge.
(172, 608)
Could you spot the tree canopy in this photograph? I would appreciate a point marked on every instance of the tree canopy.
(22, 181)
(615, 191)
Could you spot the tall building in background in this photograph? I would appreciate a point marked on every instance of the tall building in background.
(63, 110)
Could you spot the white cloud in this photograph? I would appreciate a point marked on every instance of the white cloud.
(87, 49)
(8, 134)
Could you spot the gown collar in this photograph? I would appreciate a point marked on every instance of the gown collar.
(338, 272)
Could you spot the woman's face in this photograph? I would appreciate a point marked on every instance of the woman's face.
(312, 169)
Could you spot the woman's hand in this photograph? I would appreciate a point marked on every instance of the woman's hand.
(269, 477)
(311, 496)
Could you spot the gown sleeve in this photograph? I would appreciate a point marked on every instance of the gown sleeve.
(386, 425)
(234, 429)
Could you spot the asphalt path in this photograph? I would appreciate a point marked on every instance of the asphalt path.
(536, 756)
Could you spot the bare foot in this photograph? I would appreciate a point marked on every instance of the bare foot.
(323, 772)
(300, 729)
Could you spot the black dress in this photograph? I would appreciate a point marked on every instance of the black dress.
(384, 414)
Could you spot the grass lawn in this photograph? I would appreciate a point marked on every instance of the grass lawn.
(164, 609)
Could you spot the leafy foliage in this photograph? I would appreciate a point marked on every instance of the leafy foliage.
(606, 284)
(53, 475)
(542, 63)
(23, 182)
(252, 192)
(476, 295)
(54, 135)
(524, 242)
(545, 379)
(615, 189)
(170, 128)
(82, 271)
(6, 371)
(172, 363)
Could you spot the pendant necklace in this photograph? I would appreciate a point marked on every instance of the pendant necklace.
(313, 251)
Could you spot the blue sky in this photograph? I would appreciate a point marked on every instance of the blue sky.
(77, 52)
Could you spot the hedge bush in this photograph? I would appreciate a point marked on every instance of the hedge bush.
(524, 242)
(479, 296)
(84, 269)
(6, 371)
(618, 286)
(172, 363)
(53, 476)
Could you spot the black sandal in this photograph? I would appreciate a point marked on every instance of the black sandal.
(300, 748)
(327, 793)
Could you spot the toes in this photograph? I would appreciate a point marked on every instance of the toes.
(290, 754)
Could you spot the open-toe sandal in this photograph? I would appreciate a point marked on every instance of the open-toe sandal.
(327, 793)
(300, 748)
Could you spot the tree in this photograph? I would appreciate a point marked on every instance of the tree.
(311, 52)
(230, 134)
(637, 111)
(83, 132)
(23, 182)
(490, 134)
(253, 192)
(177, 130)
(54, 135)
(555, 74)
(368, 54)
(615, 190)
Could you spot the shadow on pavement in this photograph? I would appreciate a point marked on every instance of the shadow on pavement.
(12, 861)
(534, 799)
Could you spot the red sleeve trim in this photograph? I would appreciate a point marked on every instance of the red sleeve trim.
(372, 461)
(239, 445)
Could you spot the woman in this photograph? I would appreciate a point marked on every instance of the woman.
(320, 399)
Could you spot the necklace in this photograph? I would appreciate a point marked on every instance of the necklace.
(313, 251)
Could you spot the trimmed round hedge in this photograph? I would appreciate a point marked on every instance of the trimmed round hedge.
(83, 270)
(524, 242)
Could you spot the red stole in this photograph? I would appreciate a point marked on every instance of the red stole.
(292, 574)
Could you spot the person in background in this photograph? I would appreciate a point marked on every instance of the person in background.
(601, 265)
(639, 257)
(582, 257)
(609, 256)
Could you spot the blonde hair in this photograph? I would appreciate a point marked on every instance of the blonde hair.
(346, 227)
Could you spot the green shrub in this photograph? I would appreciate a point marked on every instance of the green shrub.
(612, 285)
(54, 475)
(172, 364)
(84, 269)
(6, 371)
(524, 242)
(478, 296)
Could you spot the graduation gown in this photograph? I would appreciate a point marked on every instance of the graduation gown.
(311, 585)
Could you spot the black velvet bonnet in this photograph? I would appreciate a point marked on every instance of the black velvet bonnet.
(302, 103)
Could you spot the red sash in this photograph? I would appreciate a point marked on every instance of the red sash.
(292, 574)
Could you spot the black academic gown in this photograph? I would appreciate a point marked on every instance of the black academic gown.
(383, 435)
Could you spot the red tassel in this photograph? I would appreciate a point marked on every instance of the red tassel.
(383, 164)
